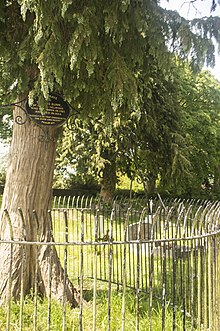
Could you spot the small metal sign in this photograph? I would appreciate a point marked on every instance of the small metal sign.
(56, 114)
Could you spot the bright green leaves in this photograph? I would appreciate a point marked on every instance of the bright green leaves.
(83, 44)
(199, 99)
(121, 82)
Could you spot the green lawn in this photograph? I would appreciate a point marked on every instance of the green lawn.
(100, 323)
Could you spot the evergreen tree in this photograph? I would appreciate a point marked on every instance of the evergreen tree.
(93, 53)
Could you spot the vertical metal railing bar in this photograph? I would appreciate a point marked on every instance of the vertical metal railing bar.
(158, 235)
(214, 263)
(77, 232)
(65, 271)
(181, 259)
(129, 250)
(117, 258)
(70, 215)
(124, 271)
(192, 279)
(203, 227)
(8, 321)
(183, 285)
(199, 288)
(77, 201)
(99, 247)
(23, 234)
(121, 246)
(163, 296)
(210, 279)
(151, 266)
(216, 217)
(86, 202)
(92, 226)
(94, 310)
(174, 251)
(54, 201)
(108, 236)
(91, 202)
(64, 202)
(169, 228)
(102, 232)
(214, 281)
(36, 273)
(159, 228)
(137, 282)
(186, 232)
(58, 203)
(142, 247)
(167, 217)
(82, 200)
(180, 211)
(85, 257)
(133, 256)
(73, 201)
(208, 274)
(81, 275)
(68, 202)
(211, 248)
(147, 224)
(205, 289)
(71, 249)
(110, 266)
(49, 271)
(57, 223)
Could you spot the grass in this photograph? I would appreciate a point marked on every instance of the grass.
(102, 320)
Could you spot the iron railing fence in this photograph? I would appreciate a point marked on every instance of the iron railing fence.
(138, 266)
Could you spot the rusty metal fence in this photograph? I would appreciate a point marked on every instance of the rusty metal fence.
(138, 266)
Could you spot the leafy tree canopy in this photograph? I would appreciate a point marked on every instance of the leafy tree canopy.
(92, 51)
(104, 57)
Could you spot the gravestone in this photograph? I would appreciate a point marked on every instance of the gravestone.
(144, 228)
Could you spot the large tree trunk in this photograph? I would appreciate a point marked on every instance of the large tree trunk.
(29, 187)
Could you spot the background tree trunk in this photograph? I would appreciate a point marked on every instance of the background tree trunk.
(29, 187)
(108, 181)
(216, 185)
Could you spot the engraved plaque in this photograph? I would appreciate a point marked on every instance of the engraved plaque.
(56, 113)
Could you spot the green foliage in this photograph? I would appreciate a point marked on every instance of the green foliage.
(92, 51)
(114, 63)
(124, 183)
(139, 142)
(199, 98)
(172, 141)
(2, 176)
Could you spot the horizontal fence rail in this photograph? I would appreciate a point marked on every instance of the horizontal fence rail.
(140, 265)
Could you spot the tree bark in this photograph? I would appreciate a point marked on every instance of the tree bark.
(29, 187)
(108, 181)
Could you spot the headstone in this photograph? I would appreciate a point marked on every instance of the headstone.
(145, 231)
